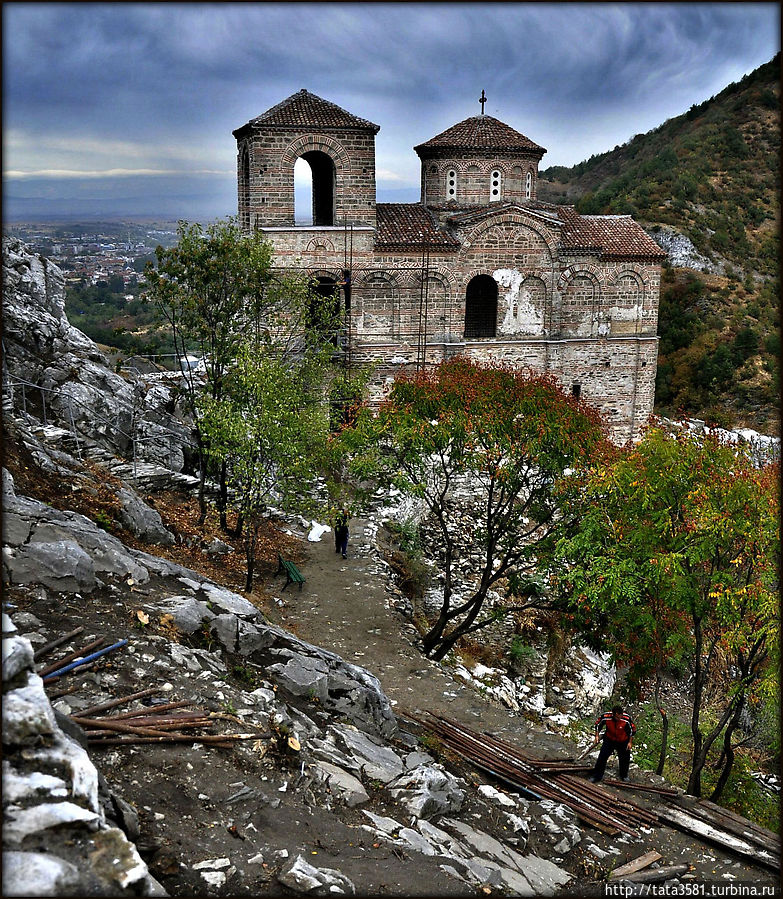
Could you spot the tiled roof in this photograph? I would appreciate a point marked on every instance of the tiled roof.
(480, 132)
(304, 109)
(611, 235)
(461, 215)
(408, 225)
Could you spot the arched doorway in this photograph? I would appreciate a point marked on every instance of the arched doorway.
(481, 307)
(314, 196)
(324, 317)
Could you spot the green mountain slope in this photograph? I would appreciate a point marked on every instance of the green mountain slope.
(713, 174)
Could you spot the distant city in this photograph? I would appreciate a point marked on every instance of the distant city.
(97, 251)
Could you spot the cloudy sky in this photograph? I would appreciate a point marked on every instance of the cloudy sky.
(134, 104)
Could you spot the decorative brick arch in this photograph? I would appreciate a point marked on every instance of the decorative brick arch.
(510, 218)
(500, 165)
(593, 272)
(321, 142)
(368, 275)
(318, 246)
(636, 271)
(445, 277)
(467, 276)
(335, 273)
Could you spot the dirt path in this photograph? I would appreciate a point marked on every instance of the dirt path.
(344, 605)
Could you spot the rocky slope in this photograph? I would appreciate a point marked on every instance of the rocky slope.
(706, 186)
(304, 776)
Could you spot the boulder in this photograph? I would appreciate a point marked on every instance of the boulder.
(61, 565)
(142, 520)
(302, 877)
(187, 612)
(375, 761)
(428, 791)
(342, 784)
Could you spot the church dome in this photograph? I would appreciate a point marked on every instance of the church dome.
(480, 133)
(476, 162)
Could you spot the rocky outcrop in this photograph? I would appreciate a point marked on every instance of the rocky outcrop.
(57, 840)
(682, 251)
(59, 377)
(61, 550)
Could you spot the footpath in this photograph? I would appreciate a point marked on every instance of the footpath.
(345, 605)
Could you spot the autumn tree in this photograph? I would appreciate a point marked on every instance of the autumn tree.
(501, 436)
(669, 551)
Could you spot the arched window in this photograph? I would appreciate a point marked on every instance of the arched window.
(324, 312)
(314, 195)
(495, 185)
(481, 307)
(528, 185)
(451, 184)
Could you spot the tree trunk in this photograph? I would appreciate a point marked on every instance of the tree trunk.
(202, 480)
(442, 646)
(727, 756)
(664, 725)
(699, 756)
(223, 497)
(250, 554)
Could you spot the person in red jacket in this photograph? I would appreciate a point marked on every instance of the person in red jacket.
(618, 728)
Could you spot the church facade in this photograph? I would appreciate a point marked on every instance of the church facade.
(478, 267)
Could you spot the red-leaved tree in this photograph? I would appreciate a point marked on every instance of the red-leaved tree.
(503, 436)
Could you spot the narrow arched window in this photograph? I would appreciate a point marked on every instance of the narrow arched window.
(495, 185)
(481, 307)
(451, 184)
(528, 186)
(314, 195)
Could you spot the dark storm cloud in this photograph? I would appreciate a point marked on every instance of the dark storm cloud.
(99, 87)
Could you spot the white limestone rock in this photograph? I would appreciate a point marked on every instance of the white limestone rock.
(303, 877)
(38, 874)
(428, 791)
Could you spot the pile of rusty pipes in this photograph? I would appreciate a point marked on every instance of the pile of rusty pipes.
(157, 723)
(507, 763)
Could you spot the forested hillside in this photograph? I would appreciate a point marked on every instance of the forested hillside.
(712, 174)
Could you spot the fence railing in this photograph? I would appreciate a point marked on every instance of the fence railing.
(20, 391)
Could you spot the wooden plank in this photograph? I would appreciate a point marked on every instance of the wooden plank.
(744, 823)
(659, 874)
(734, 824)
(637, 864)
(697, 827)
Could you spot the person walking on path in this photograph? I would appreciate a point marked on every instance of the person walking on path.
(618, 728)
(341, 532)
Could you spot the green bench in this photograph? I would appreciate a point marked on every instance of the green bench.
(292, 574)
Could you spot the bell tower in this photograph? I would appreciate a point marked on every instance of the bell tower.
(339, 148)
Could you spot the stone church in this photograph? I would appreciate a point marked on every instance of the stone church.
(478, 267)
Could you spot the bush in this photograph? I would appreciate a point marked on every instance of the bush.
(520, 652)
